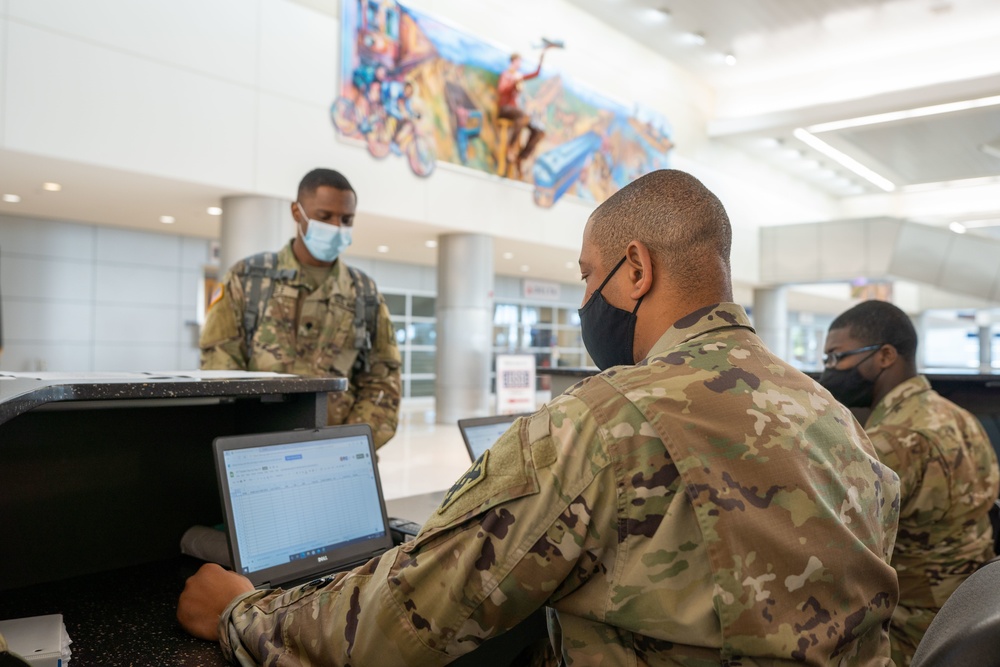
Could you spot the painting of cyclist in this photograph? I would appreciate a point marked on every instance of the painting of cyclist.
(399, 105)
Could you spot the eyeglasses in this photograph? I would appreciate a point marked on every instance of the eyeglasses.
(834, 358)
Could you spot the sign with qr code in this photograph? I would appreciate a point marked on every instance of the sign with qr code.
(515, 383)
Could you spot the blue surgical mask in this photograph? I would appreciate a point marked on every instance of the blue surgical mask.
(324, 241)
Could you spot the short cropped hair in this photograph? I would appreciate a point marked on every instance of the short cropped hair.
(878, 323)
(672, 213)
(320, 177)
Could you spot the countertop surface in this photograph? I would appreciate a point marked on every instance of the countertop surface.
(20, 392)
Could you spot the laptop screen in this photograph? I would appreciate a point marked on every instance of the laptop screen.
(301, 502)
(480, 433)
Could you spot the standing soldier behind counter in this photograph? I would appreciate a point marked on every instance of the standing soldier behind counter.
(305, 312)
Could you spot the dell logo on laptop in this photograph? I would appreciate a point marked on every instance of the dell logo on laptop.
(321, 559)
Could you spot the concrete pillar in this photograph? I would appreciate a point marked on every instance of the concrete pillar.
(464, 326)
(770, 318)
(920, 325)
(984, 322)
(253, 224)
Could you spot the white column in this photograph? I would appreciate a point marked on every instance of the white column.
(770, 318)
(464, 326)
(984, 321)
(251, 225)
(920, 325)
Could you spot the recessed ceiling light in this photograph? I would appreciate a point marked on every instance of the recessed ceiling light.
(508, 255)
(696, 38)
(431, 243)
(51, 187)
(907, 113)
(11, 199)
(656, 15)
(525, 268)
(730, 59)
(168, 219)
(957, 227)
(214, 210)
(382, 249)
(844, 160)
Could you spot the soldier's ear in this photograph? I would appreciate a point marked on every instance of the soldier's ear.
(887, 355)
(639, 265)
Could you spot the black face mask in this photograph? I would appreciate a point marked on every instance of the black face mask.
(849, 387)
(608, 332)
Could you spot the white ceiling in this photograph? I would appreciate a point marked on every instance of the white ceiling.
(803, 63)
(799, 64)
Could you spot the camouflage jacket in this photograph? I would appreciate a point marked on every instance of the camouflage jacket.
(308, 329)
(709, 505)
(948, 481)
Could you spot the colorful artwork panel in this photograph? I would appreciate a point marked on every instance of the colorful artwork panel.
(417, 87)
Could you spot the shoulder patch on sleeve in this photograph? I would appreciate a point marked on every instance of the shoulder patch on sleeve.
(472, 476)
(538, 426)
(217, 294)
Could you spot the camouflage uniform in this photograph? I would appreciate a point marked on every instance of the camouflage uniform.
(948, 480)
(710, 505)
(308, 329)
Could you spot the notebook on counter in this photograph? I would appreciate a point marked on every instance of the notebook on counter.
(300, 505)
(480, 433)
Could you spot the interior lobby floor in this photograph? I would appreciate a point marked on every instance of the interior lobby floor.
(423, 456)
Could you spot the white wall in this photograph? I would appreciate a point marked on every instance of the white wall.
(87, 298)
(236, 94)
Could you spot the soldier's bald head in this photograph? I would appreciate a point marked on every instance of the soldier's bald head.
(683, 224)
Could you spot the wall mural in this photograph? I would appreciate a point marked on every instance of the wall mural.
(416, 87)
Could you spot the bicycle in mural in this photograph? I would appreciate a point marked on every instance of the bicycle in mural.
(385, 132)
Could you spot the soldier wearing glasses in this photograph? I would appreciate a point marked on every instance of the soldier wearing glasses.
(947, 468)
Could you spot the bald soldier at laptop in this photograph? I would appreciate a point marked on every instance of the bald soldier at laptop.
(698, 502)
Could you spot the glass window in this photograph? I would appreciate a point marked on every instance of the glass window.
(422, 361)
(421, 387)
(545, 315)
(570, 338)
(505, 337)
(570, 360)
(539, 338)
(396, 303)
(570, 317)
(423, 333)
(423, 306)
(400, 328)
(953, 347)
(504, 313)
(529, 315)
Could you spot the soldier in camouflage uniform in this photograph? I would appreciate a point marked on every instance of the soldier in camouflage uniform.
(306, 313)
(701, 504)
(946, 465)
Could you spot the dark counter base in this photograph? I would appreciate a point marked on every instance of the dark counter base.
(125, 617)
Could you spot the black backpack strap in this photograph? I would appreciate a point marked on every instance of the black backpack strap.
(365, 317)
(255, 270)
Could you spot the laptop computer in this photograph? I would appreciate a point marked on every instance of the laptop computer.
(479, 433)
(300, 505)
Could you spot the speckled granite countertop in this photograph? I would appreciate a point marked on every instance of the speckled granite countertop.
(121, 618)
(23, 393)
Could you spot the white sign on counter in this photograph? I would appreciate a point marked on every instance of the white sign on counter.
(515, 383)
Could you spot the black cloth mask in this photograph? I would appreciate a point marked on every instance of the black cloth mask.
(850, 387)
(608, 331)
